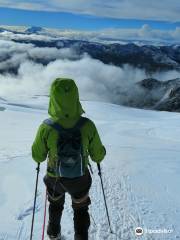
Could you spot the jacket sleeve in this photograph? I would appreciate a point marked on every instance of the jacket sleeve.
(96, 150)
(39, 147)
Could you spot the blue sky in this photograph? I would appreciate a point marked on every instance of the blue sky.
(73, 21)
(92, 15)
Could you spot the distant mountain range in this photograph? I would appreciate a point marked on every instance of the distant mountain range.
(149, 93)
(92, 36)
(149, 57)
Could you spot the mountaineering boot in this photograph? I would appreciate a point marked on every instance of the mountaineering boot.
(81, 223)
(57, 237)
(53, 231)
(83, 236)
(54, 227)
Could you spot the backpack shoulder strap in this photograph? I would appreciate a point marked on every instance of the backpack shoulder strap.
(54, 125)
(80, 123)
(59, 128)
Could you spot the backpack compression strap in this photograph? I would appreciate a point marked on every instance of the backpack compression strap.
(59, 128)
(54, 125)
(80, 123)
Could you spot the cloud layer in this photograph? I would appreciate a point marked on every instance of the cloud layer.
(96, 80)
(12, 54)
(166, 10)
(145, 33)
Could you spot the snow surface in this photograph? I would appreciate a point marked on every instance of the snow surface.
(141, 173)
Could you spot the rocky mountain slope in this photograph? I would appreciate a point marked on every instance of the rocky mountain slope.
(149, 57)
(158, 95)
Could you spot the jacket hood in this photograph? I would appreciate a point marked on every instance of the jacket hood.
(64, 100)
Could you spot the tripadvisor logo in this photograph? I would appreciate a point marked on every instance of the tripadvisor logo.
(139, 231)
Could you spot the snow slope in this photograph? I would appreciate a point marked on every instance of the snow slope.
(141, 173)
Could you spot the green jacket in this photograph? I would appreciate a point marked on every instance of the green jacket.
(65, 109)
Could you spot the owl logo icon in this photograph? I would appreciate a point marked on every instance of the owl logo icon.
(139, 231)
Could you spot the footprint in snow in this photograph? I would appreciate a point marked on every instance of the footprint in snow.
(2, 108)
(24, 212)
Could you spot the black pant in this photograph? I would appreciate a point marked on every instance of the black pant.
(78, 188)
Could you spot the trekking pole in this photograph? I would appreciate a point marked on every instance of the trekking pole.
(100, 175)
(35, 196)
(44, 222)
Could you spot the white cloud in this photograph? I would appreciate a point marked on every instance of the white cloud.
(96, 80)
(33, 5)
(166, 10)
(144, 33)
(12, 54)
(10, 35)
(176, 33)
(110, 35)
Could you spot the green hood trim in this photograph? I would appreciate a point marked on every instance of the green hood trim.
(64, 100)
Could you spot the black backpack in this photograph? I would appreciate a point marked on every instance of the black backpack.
(69, 149)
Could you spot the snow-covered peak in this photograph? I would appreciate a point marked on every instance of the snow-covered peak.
(34, 30)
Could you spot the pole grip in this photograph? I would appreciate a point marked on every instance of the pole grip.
(99, 168)
(38, 167)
